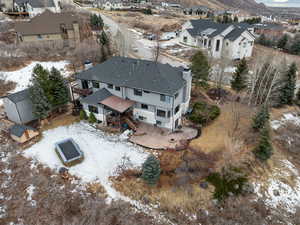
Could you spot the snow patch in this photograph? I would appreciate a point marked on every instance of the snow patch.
(103, 153)
(30, 191)
(288, 117)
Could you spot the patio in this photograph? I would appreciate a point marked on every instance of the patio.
(158, 138)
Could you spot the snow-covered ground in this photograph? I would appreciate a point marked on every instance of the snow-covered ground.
(22, 77)
(288, 117)
(279, 192)
(103, 153)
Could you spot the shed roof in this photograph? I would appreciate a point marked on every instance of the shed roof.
(96, 97)
(18, 130)
(19, 96)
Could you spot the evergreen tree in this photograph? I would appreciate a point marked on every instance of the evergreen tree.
(96, 21)
(297, 100)
(236, 19)
(239, 77)
(59, 94)
(287, 90)
(151, 170)
(282, 41)
(295, 48)
(264, 149)
(92, 118)
(261, 118)
(41, 76)
(200, 66)
(82, 115)
(41, 105)
(103, 39)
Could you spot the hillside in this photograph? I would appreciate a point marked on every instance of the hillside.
(247, 5)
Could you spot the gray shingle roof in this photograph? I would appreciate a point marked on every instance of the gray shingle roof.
(136, 73)
(18, 130)
(202, 25)
(37, 3)
(234, 34)
(19, 96)
(97, 96)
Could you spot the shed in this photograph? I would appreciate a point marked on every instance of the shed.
(69, 152)
(22, 133)
(18, 107)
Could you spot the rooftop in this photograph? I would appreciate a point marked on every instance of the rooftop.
(46, 23)
(18, 130)
(37, 3)
(19, 96)
(136, 73)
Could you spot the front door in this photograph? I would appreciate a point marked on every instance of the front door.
(85, 84)
(176, 123)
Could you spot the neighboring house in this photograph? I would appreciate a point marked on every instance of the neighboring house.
(149, 92)
(269, 29)
(22, 133)
(113, 5)
(201, 11)
(6, 5)
(18, 107)
(170, 5)
(234, 41)
(35, 7)
(49, 26)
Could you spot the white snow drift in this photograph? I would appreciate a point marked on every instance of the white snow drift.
(102, 153)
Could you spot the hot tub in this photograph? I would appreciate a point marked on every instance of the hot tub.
(69, 152)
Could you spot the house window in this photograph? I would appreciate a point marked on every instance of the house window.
(165, 98)
(117, 88)
(144, 106)
(218, 46)
(205, 42)
(39, 36)
(169, 114)
(176, 109)
(138, 92)
(110, 86)
(148, 92)
(158, 122)
(96, 84)
(161, 113)
(209, 43)
(185, 39)
(93, 109)
(176, 95)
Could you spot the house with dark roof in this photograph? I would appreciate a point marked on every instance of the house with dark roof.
(49, 26)
(199, 10)
(146, 91)
(21, 133)
(18, 107)
(230, 40)
(35, 7)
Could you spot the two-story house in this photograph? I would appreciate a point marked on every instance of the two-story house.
(234, 41)
(150, 92)
(35, 7)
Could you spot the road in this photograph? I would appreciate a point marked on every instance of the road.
(129, 40)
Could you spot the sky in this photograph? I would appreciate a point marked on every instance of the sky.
(281, 3)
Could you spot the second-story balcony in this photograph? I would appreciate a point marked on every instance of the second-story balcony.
(82, 91)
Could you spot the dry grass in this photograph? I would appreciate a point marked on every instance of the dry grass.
(61, 120)
(213, 138)
(190, 199)
(276, 113)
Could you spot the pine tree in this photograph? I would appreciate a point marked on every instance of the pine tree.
(41, 105)
(200, 67)
(239, 77)
(41, 75)
(82, 115)
(103, 39)
(287, 90)
(92, 118)
(297, 100)
(236, 19)
(58, 90)
(261, 118)
(151, 170)
(282, 41)
(264, 149)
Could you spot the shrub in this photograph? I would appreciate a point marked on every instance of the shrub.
(82, 115)
(264, 149)
(204, 113)
(151, 170)
(231, 183)
(92, 118)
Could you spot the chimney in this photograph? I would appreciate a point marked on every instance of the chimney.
(187, 73)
